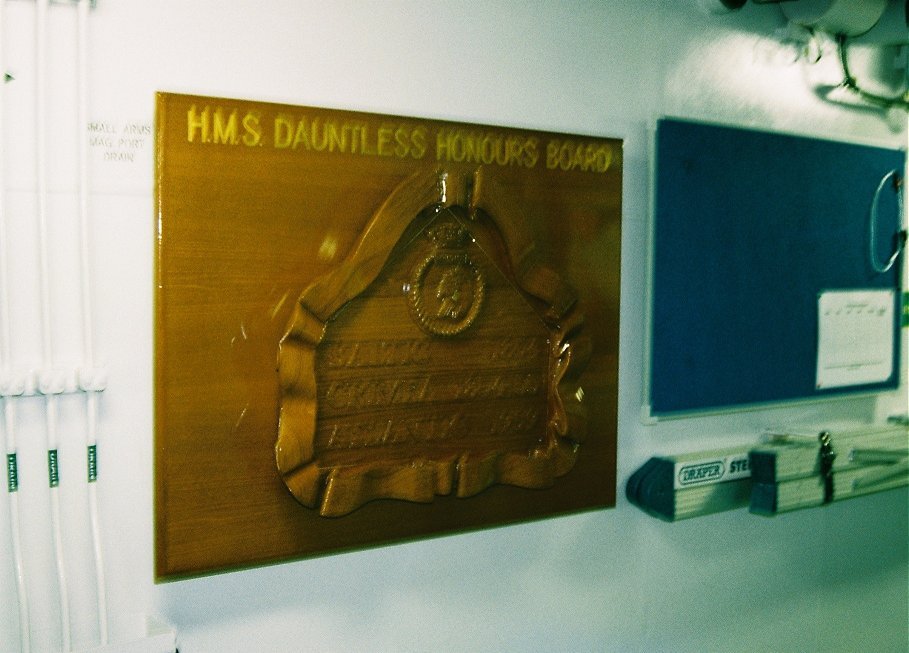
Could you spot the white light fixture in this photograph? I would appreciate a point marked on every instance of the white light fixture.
(846, 17)
(720, 6)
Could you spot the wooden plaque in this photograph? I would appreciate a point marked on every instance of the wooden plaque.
(372, 328)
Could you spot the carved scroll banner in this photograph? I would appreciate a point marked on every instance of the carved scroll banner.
(372, 328)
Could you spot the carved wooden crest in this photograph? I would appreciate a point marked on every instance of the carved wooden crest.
(412, 278)
(437, 358)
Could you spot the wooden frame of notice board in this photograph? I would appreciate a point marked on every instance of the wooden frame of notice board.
(752, 233)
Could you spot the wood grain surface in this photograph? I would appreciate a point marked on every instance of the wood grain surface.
(280, 225)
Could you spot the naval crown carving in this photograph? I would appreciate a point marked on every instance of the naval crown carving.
(447, 288)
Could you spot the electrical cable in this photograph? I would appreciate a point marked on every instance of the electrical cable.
(89, 385)
(48, 384)
(7, 402)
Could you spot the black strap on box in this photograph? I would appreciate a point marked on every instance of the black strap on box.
(826, 456)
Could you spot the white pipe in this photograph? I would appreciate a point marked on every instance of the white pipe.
(8, 405)
(54, 480)
(46, 345)
(24, 624)
(82, 121)
(91, 404)
(41, 163)
(15, 530)
(5, 346)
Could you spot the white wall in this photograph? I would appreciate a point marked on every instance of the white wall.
(833, 579)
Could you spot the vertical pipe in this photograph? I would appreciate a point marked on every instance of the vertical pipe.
(82, 120)
(91, 393)
(48, 387)
(15, 529)
(6, 403)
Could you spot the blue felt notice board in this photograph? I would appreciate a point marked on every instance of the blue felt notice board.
(749, 228)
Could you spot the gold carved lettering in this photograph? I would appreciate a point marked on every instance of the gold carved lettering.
(376, 353)
(252, 129)
(197, 121)
(464, 146)
(344, 395)
(351, 394)
(571, 155)
(530, 351)
(219, 126)
(349, 137)
(225, 130)
(383, 431)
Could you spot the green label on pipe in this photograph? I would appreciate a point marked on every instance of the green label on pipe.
(53, 472)
(92, 463)
(905, 310)
(12, 473)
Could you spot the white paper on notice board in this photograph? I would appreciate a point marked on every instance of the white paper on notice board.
(855, 337)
